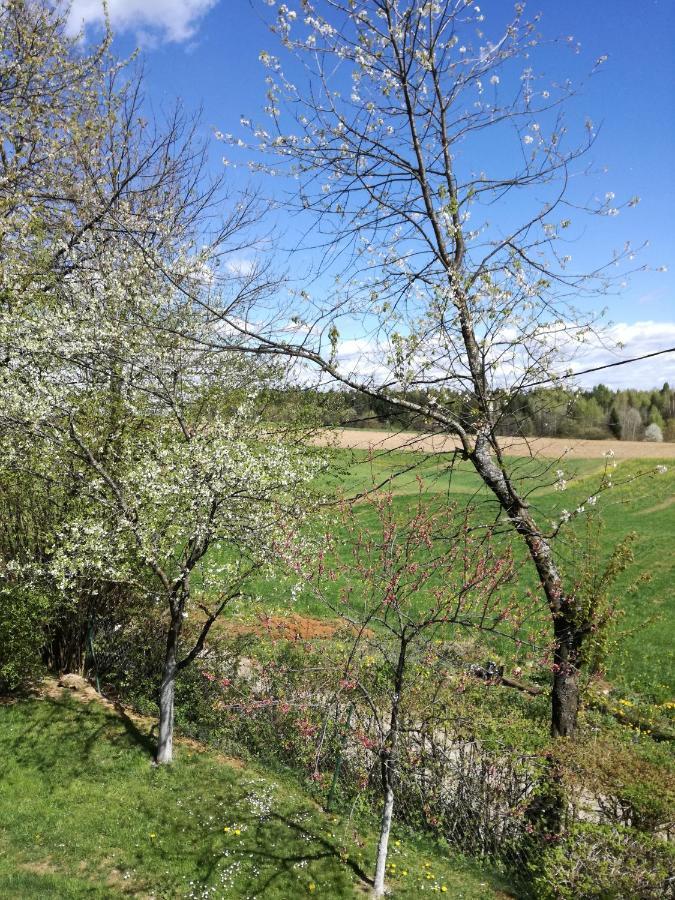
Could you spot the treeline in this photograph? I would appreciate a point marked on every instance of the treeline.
(599, 413)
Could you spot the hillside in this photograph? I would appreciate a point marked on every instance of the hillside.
(640, 663)
(84, 814)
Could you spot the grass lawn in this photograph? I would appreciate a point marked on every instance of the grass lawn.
(84, 814)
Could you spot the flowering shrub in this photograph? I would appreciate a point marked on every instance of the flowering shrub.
(472, 765)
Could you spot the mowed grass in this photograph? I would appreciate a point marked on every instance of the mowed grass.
(640, 501)
(84, 814)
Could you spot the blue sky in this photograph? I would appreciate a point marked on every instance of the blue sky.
(206, 53)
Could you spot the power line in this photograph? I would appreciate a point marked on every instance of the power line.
(621, 362)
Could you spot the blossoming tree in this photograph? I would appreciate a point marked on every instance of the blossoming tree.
(436, 172)
(413, 579)
(183, 478)
(103, 254)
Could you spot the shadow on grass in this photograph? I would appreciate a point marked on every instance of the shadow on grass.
(287, 863)
(44, 740)
(139, 738)
(196, 828)
(278, 853)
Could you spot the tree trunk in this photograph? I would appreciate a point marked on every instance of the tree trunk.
(385, 830)
(565, 697)
(166, 695)
(565, 692)
(388, 758)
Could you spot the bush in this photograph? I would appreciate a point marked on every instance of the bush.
(23, 612)
(226, 697)
(129, 659)
(629, 784)
(595, 862)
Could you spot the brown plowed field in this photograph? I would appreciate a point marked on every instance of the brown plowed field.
(552, 448)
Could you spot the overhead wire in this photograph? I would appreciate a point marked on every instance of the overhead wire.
(621, 362)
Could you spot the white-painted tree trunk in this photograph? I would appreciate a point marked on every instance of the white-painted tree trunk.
(388, 760)
(165, 740)
(166, 696)
(383, 843)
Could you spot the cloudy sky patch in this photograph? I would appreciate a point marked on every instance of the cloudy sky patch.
(172, 21)
(637, 339)
(365, 360)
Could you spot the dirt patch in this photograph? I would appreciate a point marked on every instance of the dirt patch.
(122, 883)
(81, 688)
(550, 448)
(44, 867)
(291, 628)
(9, 700)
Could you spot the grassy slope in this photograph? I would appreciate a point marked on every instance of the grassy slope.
(643, 662)
(83, 814)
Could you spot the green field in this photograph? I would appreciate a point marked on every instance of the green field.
(83, 814)
(640, 501)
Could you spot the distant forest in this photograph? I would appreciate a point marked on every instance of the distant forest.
(600, 413)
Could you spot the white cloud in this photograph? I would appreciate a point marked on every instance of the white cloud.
(365, 359)
(164, 20)
(637, 339)
(241, 268)
(296, 328)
